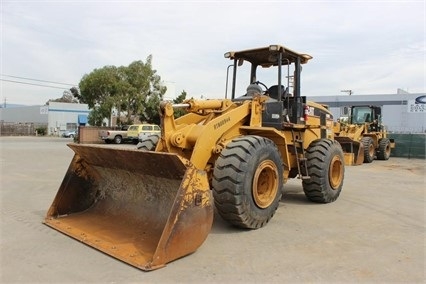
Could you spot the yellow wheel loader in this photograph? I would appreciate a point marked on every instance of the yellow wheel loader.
(153, 204)
(364, 133)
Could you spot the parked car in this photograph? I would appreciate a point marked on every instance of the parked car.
(136, 132)
(116, 136)
(69, 134)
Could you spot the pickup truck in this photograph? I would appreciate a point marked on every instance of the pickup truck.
(114, 136)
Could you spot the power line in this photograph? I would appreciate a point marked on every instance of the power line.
(38, 80)
(33, 84)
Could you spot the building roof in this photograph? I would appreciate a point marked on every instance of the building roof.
(376, 99)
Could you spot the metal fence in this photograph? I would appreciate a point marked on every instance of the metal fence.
(409, 145)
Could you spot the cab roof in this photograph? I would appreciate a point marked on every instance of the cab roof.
(267, 56)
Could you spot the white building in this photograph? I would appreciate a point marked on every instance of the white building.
(58, 117)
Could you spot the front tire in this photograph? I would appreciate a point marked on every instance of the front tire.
(384, 150)
(326, 168)
(369, 150)
(247, 181)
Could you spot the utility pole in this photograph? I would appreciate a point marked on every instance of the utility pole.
(350, 92)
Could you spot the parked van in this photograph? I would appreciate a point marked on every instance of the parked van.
(137, 131)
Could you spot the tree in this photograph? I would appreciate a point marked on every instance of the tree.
(151, 112)
(133, 90)
(67, 97)
(178, 100)
(97, 90)
(96, 116)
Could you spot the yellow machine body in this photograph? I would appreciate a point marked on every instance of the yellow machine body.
(153, 204)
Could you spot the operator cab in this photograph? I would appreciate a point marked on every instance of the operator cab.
(367, 114)
(272, 71)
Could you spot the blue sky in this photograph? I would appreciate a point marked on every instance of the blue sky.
(370, 47)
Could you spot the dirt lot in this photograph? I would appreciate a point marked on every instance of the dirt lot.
(375, 231)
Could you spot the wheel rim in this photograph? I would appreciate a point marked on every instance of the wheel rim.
(335, 172)
(265, 184)
(387, 149)
(371, 150)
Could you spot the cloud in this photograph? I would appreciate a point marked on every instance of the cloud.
(370, 47)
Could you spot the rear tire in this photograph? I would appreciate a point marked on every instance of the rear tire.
(149, 143)
(326, 168)
(247, 181)
(369, 150)
(384, 151)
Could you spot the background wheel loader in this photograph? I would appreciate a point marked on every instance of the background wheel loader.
(153, 204)
(364, 133)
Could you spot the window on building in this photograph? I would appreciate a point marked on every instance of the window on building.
(71, 126)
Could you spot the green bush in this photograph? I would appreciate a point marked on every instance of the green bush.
(41, 131)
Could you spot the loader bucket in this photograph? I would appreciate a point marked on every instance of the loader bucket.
(352, 150)
(144, 208)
